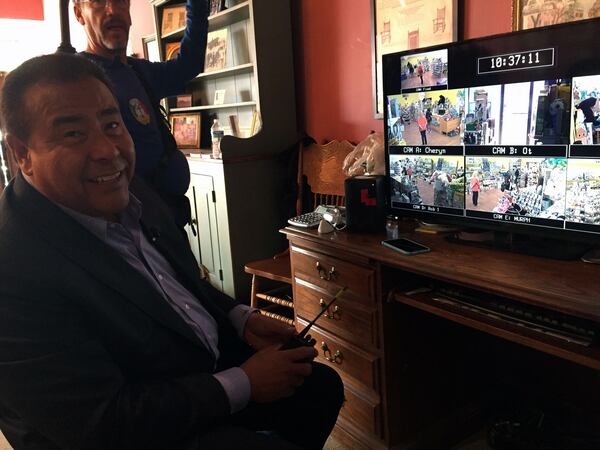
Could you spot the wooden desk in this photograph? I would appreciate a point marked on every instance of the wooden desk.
(445, 125)
(408, 361)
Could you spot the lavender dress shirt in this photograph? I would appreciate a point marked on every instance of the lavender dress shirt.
(127, 238)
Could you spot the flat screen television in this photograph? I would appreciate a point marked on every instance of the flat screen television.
(501, 132)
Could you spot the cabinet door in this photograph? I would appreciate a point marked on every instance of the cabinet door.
(205, 244)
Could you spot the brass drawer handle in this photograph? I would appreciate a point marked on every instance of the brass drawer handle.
(336, 358)
(324, 275)
(336, 314)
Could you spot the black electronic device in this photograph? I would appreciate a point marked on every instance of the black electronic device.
(303, 338)
(501, 132)
(406, 246)
(365, 203)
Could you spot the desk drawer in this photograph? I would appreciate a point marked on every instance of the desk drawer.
(347, 319)
(332, 273)
(360, 365)
(362, 412)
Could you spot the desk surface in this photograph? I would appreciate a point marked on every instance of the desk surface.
(572, 287)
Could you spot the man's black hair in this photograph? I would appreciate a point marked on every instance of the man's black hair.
(57, 68)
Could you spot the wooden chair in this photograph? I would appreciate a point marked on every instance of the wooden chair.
(439, 23)
(320, 176)
(386, 33)
(413, 39)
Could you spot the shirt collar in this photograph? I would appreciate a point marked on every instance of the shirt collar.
(105, 62)
(129, 218)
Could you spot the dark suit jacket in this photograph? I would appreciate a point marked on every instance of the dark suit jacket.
(91, 356)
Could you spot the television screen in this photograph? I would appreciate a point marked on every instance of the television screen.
(502, 132)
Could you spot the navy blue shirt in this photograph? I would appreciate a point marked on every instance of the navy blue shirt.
(164, 79)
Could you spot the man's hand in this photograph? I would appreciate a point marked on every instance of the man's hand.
(262, 331)
(275, 373)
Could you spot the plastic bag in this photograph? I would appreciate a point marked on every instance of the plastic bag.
(367, 158)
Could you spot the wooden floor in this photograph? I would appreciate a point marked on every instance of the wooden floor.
(331, 444)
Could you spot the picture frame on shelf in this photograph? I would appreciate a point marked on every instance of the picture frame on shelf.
(396, 27)
(186, 129)
(219, 97)
(183, 101)
(216, 50)
(172, 50)
(150, 48)
(216, 6)
(528, 14)
(173, 20)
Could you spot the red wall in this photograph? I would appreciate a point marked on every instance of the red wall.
(486, 17)
(22, 9)
(142, 18)
(333, 61)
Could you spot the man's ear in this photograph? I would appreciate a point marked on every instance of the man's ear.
(21, 153)
(78, 15)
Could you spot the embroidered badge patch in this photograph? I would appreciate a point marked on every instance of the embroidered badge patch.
(139, 111)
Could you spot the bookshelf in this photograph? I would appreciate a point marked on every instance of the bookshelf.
(242, 194)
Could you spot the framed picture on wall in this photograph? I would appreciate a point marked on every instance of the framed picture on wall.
(529, 14)
(150, 46)
(216, 6)
(406, 25)
(173, 20)
(186, 129)
(172, 50)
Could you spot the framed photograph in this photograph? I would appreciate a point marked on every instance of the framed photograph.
(186, 129)
(219, 97)
(216, 50)
(216, 6)
(150, 46)
(183, 101)
(406, 25)
(172, 50)
(529, 14)
(173, 20)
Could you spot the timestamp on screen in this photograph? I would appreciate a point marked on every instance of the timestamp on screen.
(530, 59)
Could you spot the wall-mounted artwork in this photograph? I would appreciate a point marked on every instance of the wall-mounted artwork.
(400, 25)
(540, 13)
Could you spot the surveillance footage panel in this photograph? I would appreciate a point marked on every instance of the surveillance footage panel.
(524, 190)
(428, 179)
(585, 121)
(424, 71)
(530, 113)
(426, 118)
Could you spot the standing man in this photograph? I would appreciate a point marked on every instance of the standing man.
(109, 339)
(139, 86)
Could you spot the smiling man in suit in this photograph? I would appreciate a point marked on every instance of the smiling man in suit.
(109, 339)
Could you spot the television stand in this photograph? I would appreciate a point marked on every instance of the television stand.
(524, 244)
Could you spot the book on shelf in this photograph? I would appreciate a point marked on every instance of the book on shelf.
(216, 50)
(235, 125)
(256, 123)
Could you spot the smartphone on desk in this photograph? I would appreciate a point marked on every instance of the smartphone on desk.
(406, 246)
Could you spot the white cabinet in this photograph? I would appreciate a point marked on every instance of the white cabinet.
(204, 237)
(209, 237)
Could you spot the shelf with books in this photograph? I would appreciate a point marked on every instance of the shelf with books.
(235, 70)
(209, 107)
(233, 14)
